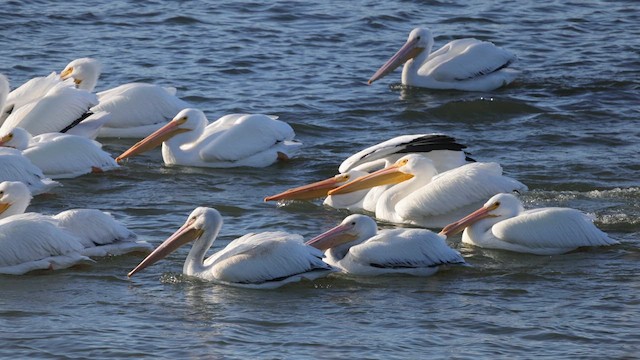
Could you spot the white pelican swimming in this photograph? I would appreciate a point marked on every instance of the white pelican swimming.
(137, 109)
(265, 260)
(31, 242)
(443, 150)
(98, 232)
(234, 140)
(502, 223)
(60, 156)
(14, 166)
(421, 198)
(357, 247)
(61, 108)
(464, 64)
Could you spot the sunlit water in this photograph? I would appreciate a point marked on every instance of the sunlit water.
(568, 128)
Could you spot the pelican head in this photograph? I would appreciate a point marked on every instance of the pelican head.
(317, 189)
(14, 198)
(501, 206)
(186, 120)
(17, 138)
(84, 71)
(353, 228)
(420, 40)
(403, 169)
(201, 220)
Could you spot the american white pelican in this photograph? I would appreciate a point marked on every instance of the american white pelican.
(464, 64)
(357, 247)
(265, 260)
(30, 91)
(233, 140)
(136, 109)
(502, 223)
(33, 242)
(60, 156)
(98, 232)
(16, 167)
(443, 150)
(62, 107)
(421, 198)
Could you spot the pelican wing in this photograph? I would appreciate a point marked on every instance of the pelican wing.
(265, 257)
(551, 228)
(456, 188)
(139, 104)
(404, 144)
(405, 248)
(28, 92)
(249, 135)
(59, 108)
(465, 59)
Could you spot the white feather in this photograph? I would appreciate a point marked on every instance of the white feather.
(60, 106)
(16, 167)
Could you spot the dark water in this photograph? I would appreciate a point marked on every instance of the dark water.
(568, 128)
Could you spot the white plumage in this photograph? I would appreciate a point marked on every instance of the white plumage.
(98, 232)
(28, 92)
(56, 110)
(16, 167)
(417, 196)
(358, 248)
(137, 109)
(253, 140)
(265, 260)
(464, 64)
(60, 155)
(502, 223)
(33, 242)
(443, 150)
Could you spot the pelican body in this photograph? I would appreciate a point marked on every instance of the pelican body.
(420, 196)
(464, 64)
(358, 248)
(502, 223)
(235, 140)
(137, 109)
(262, 261)
(60, 156)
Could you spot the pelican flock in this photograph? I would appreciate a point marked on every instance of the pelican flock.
(49, 126)
(443, 150)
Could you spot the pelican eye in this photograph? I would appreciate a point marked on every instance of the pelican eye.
(1, 192)
(353, 223)
(496, 204)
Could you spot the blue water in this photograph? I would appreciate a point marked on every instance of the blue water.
(568, 127)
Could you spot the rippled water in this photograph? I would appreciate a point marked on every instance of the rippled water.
(568, 128)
